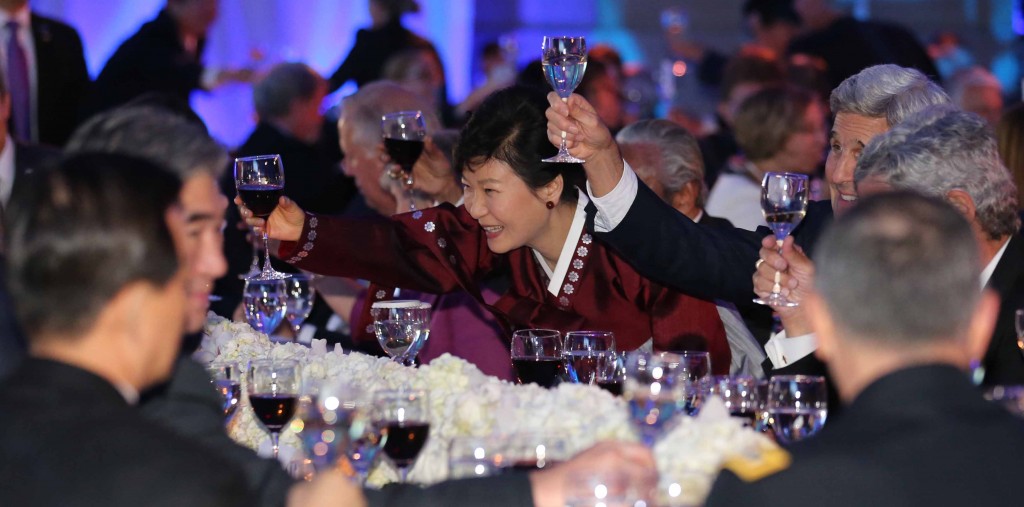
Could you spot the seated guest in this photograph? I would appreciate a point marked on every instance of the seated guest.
(287, 102)
(977, 91)
(900, 315)
(522, 215)
(778, 130)
(667, 159)
(104, 321)
(1010, 135)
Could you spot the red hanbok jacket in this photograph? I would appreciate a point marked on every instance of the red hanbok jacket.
(443, 249)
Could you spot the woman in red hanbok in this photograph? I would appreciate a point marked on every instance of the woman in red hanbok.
(520, 215)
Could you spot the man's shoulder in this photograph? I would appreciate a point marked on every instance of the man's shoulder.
(54, 26)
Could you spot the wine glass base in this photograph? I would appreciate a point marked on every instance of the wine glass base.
(564, 158)
(270, 276)
(776, 300)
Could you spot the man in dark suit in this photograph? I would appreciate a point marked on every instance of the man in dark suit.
(164, 56)
(104, 321)
(899, 315)
(50, 64)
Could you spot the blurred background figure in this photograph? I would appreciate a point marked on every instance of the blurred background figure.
(419, 70)
(947, 51)
(778, 129)
(667, 159)
(1010, 136)
(375, 45)
(499, 72)
(47, 76)
(977, 91)
(773, 24)
(164, 56)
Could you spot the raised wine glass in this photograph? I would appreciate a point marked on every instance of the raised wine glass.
(403, 133)
(265, 303)
(273, 394)
(564, 61)
(301, 295)
(226, 380)
(537, 356)
(404, 420)
(260, 183)
(798, 405)
(401, 327)
(783, 203)
(581, 353)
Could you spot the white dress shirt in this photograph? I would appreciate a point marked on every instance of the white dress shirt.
(613, 206)
(24, 18)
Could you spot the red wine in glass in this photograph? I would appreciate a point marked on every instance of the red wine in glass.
(273, 411)
(614, 387)
(404, 152)
(260, 199)
(543, 371)
(404, 441)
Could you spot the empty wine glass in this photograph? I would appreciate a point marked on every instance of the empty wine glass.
(401, 327)
(581, 352)
(652, 391)
(301, 295)
(740, 396)
(226, 380)
(260, 183)
(537, 356)
(564, 60)
(783, 203)
(404, 421)
(265, 303)
(403, 133)
(273, 394)
(798, 405)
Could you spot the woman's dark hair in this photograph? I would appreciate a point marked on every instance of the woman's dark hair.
(510, 126)
(82, 231)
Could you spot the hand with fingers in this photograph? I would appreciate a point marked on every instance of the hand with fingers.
(586, 137)
(284, 224)
(793, 272)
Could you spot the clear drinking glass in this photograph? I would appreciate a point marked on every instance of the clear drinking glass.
(273, 394)
(740, 396)
(265, 303)
(403, 133)
(226, 380)
(328, 412)
(301, 295)
(653, 391)
(402, 328)
(404, 421)
(693, 370)
(259, 181)
(783, 203)
(537, 356)
(564, 60)
(581, 352)
(798, 405)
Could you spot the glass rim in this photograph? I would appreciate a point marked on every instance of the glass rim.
(590, 333)
(255, 158)
(398, 304)
(542, 356)
(786, 174)
(570, 37)
(266, 361)
(396, 114)
(544, 332)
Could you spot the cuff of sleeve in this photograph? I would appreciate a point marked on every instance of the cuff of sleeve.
(295, 251)
(784, 351)
(208, 79)
(612, 207)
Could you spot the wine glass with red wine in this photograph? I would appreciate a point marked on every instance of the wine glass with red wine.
(537, 356)
(403, 133)
(273, 394)
(260, 183)
(403, 419)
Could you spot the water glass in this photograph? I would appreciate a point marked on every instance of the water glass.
(693, 370)
(327, 413)
(581, 352)
(564, 61)
(265, 303)
(226, 380)
(653, 391)
(537, 356)
(783, 204)
(798, 405)
(402, 328)
(739, 394)
(301, 295)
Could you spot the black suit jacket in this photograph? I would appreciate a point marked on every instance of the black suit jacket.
(73, 441)
(1004, 360)
(919, 436)
(152, 60)
(62, 79)
(709, 220)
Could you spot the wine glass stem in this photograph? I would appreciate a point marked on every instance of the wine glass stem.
(410, 194)
(273, 442)
(254, 267)
(777, 288)
(267, 268)
(403, 472)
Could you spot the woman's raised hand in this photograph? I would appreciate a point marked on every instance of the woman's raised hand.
(587, 138)
(284, 224)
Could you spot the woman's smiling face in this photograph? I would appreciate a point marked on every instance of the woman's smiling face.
(511, 213)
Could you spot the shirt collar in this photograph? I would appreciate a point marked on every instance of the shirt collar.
(23, 16)
(579, 220)
(986, 274)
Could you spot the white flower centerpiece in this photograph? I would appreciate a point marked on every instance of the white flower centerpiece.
(466, 402)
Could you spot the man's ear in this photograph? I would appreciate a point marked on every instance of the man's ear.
(963, 202)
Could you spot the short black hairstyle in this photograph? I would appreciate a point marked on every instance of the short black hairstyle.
(772, 12)
(82, 231)
(510, 126)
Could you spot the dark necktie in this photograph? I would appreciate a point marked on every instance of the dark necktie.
(17, 79)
